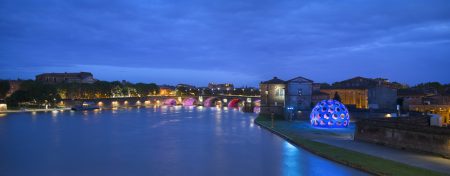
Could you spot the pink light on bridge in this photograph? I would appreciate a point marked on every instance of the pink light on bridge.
(211, 101)
(189, 102)
(170, 102)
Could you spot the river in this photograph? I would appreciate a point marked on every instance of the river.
(151, 141)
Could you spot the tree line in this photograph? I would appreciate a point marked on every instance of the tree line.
(34, 93)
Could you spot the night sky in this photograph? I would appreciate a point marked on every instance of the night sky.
(243, 42)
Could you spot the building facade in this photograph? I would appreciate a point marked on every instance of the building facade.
(288, 98)
(426, 102)
(357, 98)
(166, 90)
(55, 78)
(272, 96)
(299, 93)
(410, 97)
(365, 93)
(318, 96)
(381, 97)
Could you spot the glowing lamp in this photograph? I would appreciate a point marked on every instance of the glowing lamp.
(330, 114)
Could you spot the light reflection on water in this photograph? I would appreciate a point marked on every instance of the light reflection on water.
(290, 164)
(150, 141)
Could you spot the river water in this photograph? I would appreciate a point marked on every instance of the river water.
(151, 141)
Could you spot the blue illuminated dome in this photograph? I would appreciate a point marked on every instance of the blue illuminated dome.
(330, 114)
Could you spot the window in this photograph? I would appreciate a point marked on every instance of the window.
(279, 92)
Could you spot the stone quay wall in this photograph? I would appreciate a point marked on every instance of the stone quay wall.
(410, 134)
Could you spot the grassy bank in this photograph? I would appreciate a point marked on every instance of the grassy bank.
(368, 163)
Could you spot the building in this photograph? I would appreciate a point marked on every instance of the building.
(365, 93)
(225, 86)
(3, 106)
(420, 101)
(318, 96)
(351, 97)
(382, 97)
(287, 98)
(441, 110)
(166, 90)
(272, 96)
(299, 93)
(411, 97)
(54, 78)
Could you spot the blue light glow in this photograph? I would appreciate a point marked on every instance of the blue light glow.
(330, 114)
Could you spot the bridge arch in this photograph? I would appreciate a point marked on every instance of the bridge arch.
(212, 101)
(170, 102)
(189, 101)
(257, 106)
(234, 103)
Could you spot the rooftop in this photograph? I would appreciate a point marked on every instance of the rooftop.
(275, 80)
(65, 74)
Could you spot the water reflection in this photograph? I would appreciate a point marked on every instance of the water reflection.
(290, 159)
(170, 140)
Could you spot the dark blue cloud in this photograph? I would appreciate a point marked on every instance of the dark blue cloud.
(250, 41)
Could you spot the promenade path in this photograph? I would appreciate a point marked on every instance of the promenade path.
(343, 138)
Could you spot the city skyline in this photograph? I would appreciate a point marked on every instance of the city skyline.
(201, 87)
(238, 42)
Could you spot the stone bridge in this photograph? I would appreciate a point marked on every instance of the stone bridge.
(230, 101)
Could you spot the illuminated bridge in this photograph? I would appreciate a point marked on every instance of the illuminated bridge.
(251, 103)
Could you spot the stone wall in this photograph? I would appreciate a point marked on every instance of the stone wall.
(277, 110)
(411, 134)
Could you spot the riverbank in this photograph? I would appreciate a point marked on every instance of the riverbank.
(35, 110)
(58, 109)
(358, 160)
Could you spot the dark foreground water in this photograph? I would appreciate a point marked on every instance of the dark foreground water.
(150, 141)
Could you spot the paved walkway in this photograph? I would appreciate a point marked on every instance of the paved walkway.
(344, 138)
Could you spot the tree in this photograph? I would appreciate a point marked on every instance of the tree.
(337, 97)
(40, 93)
(4, 88)
(181, 90)
(431, 85)
(18, 97)
(117, 91)
(103, 89)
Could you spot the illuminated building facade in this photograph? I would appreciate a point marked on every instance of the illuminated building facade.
(441, 110)
(165, 90)
(357, 98)
(3, 106)
(272, 96)
(365, 93)
(437, 103)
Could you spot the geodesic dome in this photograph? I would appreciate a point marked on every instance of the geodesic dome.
(330, 114)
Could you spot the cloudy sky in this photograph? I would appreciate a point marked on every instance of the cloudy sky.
(242, 41)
